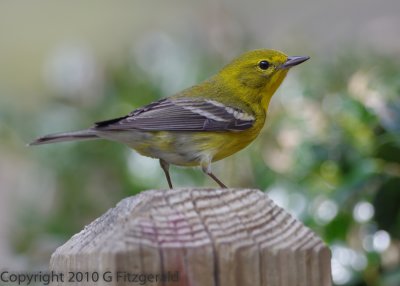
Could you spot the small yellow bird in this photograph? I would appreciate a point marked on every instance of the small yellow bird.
(204, 123)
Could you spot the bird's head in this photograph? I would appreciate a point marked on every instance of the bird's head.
(257, 74)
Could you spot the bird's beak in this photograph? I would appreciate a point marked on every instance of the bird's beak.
(293, 61)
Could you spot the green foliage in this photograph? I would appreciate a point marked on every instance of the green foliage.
(387, 206)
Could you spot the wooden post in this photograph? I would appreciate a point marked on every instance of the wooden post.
(202, 237)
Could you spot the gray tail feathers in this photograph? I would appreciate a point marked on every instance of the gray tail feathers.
(67, 136)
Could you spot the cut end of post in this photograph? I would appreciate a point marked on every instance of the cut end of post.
(203, 235)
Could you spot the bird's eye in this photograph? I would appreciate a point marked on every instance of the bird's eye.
(263, 65)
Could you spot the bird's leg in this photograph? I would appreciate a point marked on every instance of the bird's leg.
(207, 169)
(165, 166)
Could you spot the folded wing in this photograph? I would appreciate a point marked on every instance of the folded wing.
(182, 115)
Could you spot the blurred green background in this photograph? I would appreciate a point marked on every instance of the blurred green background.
(330, 152)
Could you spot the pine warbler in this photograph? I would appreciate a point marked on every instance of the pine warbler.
(204, 123)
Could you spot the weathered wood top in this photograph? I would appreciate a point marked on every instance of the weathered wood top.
(211, 237)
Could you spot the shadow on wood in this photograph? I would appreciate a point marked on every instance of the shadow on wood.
(202, 237)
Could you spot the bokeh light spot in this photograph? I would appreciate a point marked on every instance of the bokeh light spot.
(326, 211)
(363, 211)
(381, 241)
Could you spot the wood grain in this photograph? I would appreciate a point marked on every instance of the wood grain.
(210, 237)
